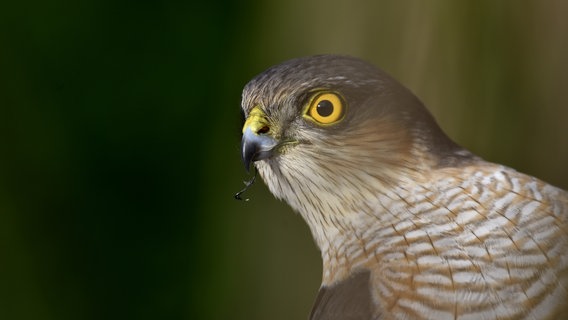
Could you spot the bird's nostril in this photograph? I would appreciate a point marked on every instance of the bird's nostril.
(262, 130)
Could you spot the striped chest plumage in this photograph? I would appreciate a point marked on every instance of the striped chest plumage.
(481, 242)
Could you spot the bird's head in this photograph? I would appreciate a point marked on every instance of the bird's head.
(329, 133)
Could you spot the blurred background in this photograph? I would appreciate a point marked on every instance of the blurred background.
(120, 128)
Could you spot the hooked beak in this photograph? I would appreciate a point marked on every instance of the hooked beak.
(257, 143)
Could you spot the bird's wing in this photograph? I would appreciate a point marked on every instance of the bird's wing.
(347, 300)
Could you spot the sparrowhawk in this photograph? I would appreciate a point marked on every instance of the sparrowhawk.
(410, 225)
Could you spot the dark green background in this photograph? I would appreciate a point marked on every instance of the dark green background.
(120, 127)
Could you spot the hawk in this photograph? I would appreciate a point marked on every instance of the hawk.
(410, 225)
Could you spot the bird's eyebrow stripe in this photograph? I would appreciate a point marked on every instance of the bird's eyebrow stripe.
(304, 98)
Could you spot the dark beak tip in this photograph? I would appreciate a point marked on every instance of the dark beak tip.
(247, 164)
(256, 147)
(247, 155)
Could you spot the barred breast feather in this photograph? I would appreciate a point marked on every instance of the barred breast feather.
(478, 242)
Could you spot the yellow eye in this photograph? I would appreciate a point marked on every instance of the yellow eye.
(326, 108)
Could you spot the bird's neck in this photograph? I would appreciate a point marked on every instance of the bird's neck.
(358, 213)
(380, 228)
(344, 239)
(340, 217)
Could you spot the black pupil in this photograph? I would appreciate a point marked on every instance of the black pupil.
(325, 108)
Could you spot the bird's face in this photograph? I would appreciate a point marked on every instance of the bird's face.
(265, 136)
(327, 133)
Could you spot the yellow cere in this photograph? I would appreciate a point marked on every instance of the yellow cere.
(326, 108)
(256, 120)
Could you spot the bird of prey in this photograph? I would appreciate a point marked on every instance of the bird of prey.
(410, 225)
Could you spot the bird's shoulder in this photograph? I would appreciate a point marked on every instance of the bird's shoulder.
(494, 183)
